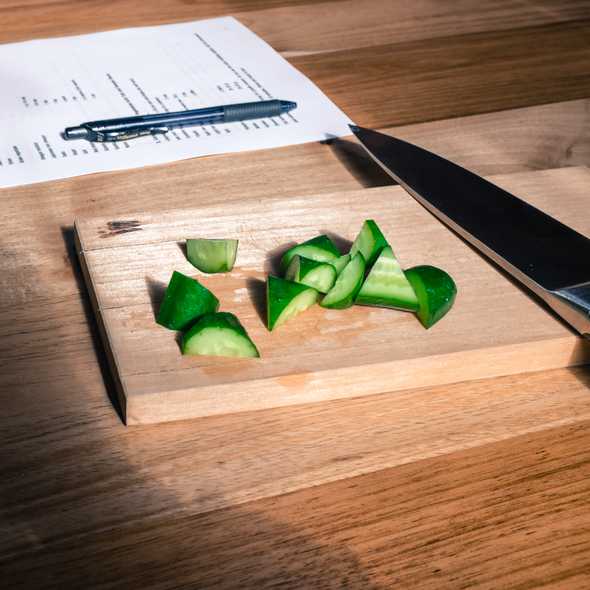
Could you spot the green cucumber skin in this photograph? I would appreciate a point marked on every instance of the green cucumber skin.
(387, 286)
(436, 292)
(184, 302)
(318, 275)
(279, 294)
(321, 248)
(219, 326)
(347, 285)
(212, 256)
(340, 263)
(369, 242)
(389, 302)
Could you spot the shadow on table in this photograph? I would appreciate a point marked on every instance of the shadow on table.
(272, 261)
(86, 502)
(257, 292)
(101, 357)
(156, 291)
(582, 372)
(357, 161)
(343, 244)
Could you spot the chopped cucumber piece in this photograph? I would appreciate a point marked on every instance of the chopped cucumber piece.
(219, 334)
(340, 263)
(319, 275)
(369, 242)
(285, 299)
(386, 285)
(347, 285)
(212, 255)
(436, 292)
(185, 300)
(320, 248)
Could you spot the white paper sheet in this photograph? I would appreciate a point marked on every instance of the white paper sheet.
(50, 84)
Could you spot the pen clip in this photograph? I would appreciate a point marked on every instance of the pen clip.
(128, 133)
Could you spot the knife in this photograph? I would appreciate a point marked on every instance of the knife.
(548, 257)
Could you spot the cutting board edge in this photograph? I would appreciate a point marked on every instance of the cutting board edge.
(176, 401)
(115, 373)
(342, 383)
(86, 226)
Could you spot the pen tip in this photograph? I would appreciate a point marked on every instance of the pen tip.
(354, 128)
(289, 104)
(75, 133)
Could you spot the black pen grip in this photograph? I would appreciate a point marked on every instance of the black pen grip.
(257, 110)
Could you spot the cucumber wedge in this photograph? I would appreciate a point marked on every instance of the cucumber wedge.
(212, 256)
(319, 275)
(285, 299)
(369, 242)
(436, 292)
(340, 263)
(219, 334)
(386, 285)
(320, 248)
(347, 285)
(185, 300)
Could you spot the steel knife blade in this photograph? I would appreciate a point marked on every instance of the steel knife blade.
(547, 256)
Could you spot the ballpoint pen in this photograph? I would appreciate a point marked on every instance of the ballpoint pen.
(130, 127)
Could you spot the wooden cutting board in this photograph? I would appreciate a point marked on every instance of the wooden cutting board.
(495, 328)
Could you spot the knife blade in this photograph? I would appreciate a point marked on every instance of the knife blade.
(548, 257)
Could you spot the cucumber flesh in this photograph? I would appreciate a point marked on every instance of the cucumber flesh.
(347, 285)
(340, 263)
(219, 334)
(285, 299)
(369, 242)
(319, 275)
(435, 290)
(386, 285)
(320, 248)
(184, 302)
(212, 256)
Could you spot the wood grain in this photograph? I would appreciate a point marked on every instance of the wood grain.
(513, 514)
(50, 18)
(46, 305)
(534, 138)
(509, 141)
(453, 76)
(86, 503)
(320, 27)
(324, 354)
(213, 463)
(420, 78)
(295, 28)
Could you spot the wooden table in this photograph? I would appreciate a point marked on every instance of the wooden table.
(487, 488)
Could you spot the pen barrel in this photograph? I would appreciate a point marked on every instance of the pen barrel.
(256, 110)
(130, 127)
